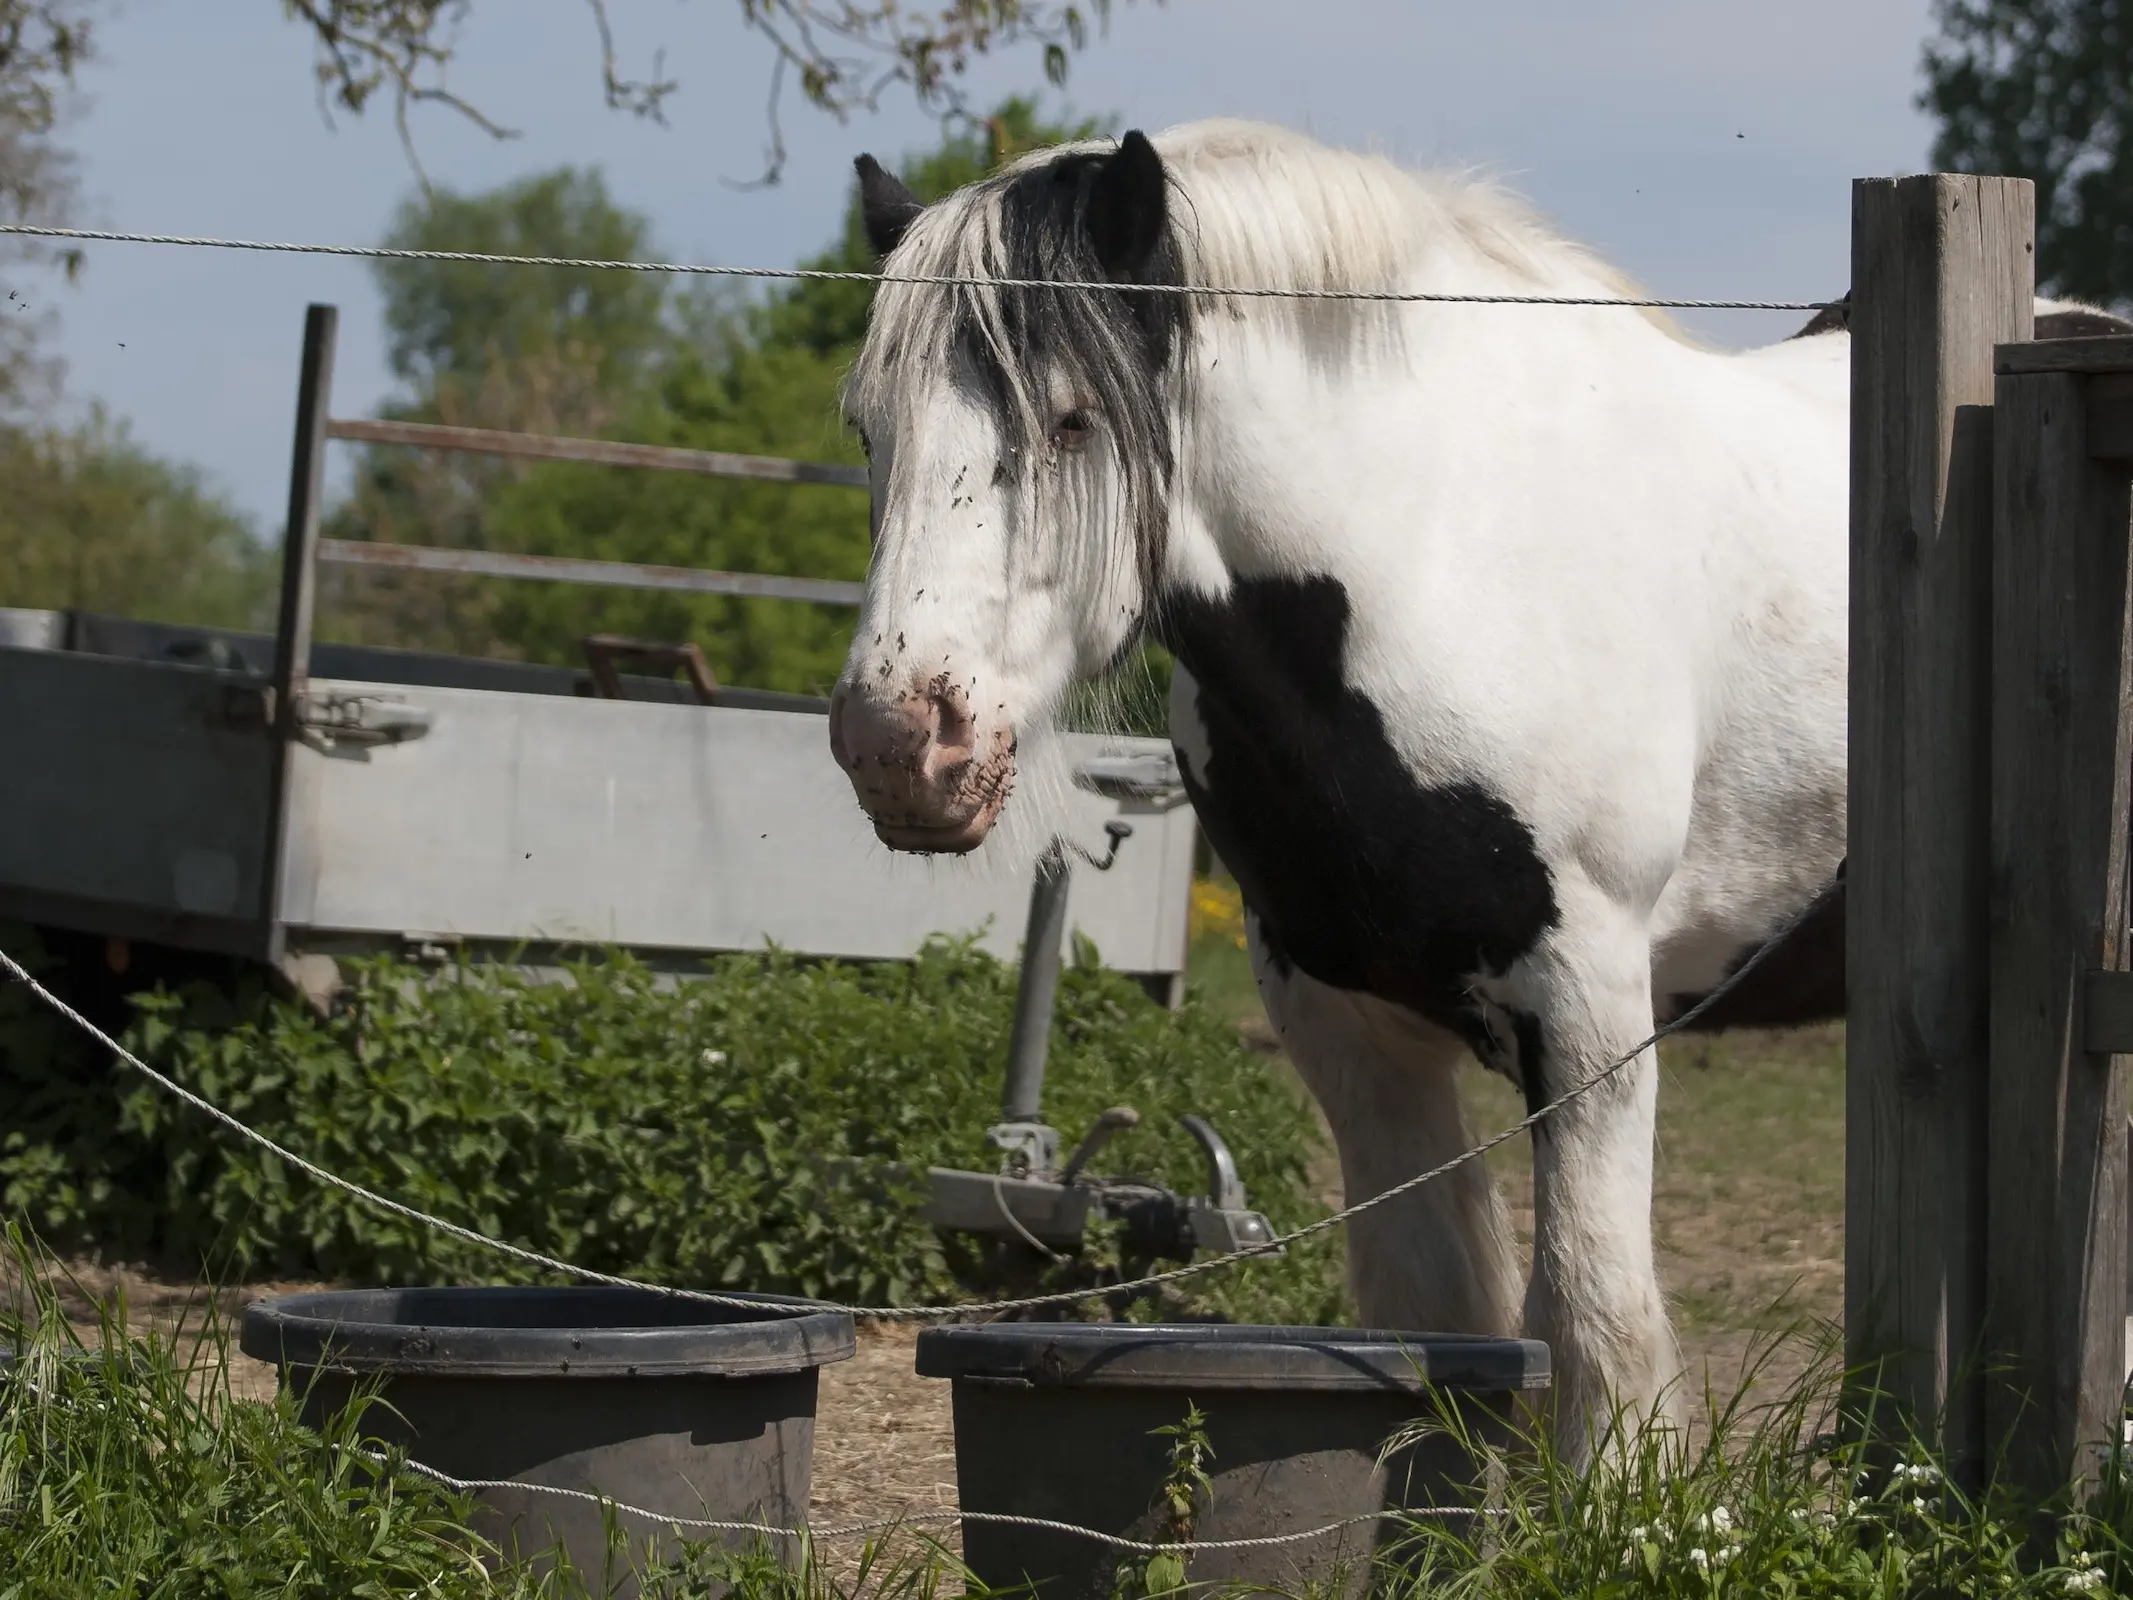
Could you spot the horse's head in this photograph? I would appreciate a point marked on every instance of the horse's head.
(1022, 443)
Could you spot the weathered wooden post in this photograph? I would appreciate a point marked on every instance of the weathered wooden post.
(1941, 273)
(2062, 1003)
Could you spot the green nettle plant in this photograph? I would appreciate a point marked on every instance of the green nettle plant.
(762, 1127)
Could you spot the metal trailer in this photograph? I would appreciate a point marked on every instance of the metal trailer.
(273, 798)
(287, 801)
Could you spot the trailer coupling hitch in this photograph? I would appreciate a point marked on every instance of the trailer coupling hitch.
(1220, 1221)
(1031, 1200)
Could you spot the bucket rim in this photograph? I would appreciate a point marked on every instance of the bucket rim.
(510, 1330)
(1232, 1356)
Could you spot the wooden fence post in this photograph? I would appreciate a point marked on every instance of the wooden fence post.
(1941, 272)
(2062, 753)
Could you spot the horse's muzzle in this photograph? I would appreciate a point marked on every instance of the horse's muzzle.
(930, 779)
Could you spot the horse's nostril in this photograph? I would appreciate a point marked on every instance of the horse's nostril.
(887, 737)
(954, 727)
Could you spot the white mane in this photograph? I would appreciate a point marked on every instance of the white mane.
(1255, 205)
(1269, 207)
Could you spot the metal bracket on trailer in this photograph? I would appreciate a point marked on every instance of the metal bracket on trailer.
(327, 721)
(336, 723)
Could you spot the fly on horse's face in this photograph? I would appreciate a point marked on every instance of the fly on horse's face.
(1020, 447)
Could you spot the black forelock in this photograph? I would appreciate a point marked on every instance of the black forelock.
(1117, 347)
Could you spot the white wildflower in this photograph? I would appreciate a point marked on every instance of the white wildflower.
(714, 1058)
(1717, 1520)
(1700, 1558)
(1915, 1472)
(2082, 1580)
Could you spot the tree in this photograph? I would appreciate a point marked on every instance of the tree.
(91, 521)
(448, 322)
(2043, 89)
(844, 54)
(546, 350)
(41, 43)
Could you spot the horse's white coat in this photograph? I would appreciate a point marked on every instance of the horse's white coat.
(1593, 566)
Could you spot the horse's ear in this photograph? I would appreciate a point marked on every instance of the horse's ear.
(885, 205)
(1128, 207)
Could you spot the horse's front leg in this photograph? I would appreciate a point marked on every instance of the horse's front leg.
(1580, 1002)
(1436, 1260)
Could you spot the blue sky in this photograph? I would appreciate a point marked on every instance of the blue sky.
(1704, 145)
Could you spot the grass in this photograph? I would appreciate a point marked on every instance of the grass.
(128, 1468)
(1762, 1502)
(1218, 968)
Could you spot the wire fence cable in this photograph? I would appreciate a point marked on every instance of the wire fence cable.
(825, 275)
(850, 1530)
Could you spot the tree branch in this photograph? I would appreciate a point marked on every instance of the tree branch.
(845, 54)
(41, 43)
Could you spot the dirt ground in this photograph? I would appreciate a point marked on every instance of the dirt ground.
(1748, 1212)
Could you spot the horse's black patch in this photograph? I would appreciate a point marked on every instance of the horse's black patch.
(1532, 1074)
(1360, 874)
(1800, 980)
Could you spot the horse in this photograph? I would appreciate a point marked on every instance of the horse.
(1509, 642)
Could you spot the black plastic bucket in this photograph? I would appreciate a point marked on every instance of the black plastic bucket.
(684, 1408)
(1057, 1421)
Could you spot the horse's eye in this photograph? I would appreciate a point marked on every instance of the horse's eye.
(1072, 430)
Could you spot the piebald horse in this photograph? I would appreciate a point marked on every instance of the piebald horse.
(1510, 643)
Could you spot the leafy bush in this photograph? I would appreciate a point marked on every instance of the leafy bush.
(742, 1130)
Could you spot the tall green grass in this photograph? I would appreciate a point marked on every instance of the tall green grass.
(129, 1468)
(1761, 1500)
